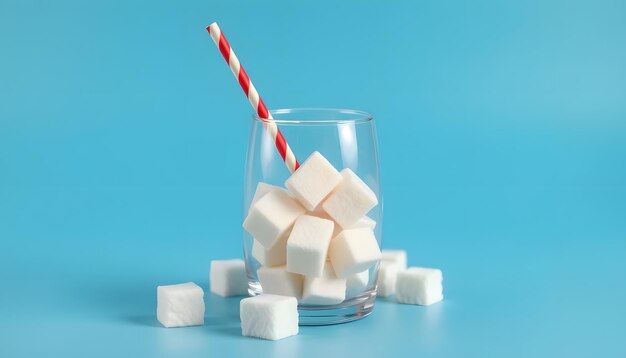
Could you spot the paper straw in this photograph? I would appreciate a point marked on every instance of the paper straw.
(253, 96)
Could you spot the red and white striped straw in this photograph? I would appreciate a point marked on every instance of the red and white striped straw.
(253, 96)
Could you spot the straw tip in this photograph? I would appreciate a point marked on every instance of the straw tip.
(208, 28)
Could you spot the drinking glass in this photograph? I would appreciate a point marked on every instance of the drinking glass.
(347, 138)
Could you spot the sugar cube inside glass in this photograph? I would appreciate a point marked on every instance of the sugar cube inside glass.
(327, 289)
(350, 200)
(261, 190)
(353, 251)
(274, 256)
(313, 181)
(271, 217)
(307, 246)
(277, 281)
(356, 283)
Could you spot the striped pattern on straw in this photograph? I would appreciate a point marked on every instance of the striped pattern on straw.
(253, 96)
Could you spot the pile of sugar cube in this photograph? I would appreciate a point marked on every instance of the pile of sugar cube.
(315, 245)
(313, 239)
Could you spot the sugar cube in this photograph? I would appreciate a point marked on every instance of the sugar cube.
(180, 305)
(356, 283)
(277, 281)
(326, 289)
(274, 256)
(272, 216)
(307, 246)
(387, 275)
(365, 221)
(313, 181)
(261, 190)
(350, 201)
(229, 278)
(397, 256)
(322, 214)
(419, 286)
(268, 316)
(353, 251)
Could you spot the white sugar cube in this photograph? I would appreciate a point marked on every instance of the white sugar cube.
(353, 251)
(269, 316)
(387, 275)
(396, 256)
(313, 181)
(261, 190)
(307, 246)
(419, 286)
(326, 289)
(274, 256)
(272, 216)
(180, 305)
(322, 214)
(228, 278)
(350, 201)
(356, 283)
(365, 221)
(277, 281)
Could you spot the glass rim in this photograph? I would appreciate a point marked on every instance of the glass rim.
(351, 116)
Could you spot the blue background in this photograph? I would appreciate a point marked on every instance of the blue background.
(502, 130)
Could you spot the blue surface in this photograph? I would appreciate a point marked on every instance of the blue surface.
(502, 130)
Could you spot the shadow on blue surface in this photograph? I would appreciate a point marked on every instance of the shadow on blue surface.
(221, 314)
(149, 321)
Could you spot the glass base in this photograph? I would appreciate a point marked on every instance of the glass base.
(349, 310)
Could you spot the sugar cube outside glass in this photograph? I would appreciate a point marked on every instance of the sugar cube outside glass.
(228, 278)
(396, 256)
(269, 316)
(387, 275)
(419, 286)
(180, 305)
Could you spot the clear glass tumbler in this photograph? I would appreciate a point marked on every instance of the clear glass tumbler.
(347, 138)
